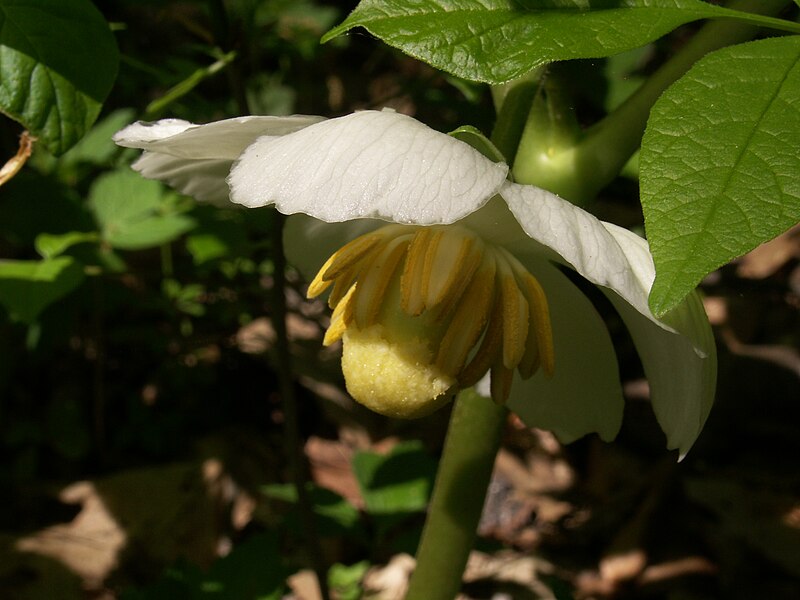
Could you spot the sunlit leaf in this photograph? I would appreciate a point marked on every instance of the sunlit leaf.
(497, 40)
(720, 165)
(398, 482)
(59, 61)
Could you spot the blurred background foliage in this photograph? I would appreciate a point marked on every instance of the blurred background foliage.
(136, 357)
(136, 285)
(134, 329)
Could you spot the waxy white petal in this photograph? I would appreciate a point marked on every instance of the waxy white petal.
(142, 133)
(603, 253)
(369, 164)
(196, 159)
(203, 179)
(584, 394)
(680, 367)
(221, 139)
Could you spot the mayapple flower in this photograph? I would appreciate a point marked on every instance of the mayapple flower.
(443, 274)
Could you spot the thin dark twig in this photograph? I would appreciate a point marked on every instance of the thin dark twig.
(294, 450)
(298, 464)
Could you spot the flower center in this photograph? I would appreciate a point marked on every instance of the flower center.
(425, 311)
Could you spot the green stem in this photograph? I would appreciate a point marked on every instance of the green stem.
(465, 469)
(610, 144)
(762, 21)
(586, 167)
(179, 90)
(512, 103)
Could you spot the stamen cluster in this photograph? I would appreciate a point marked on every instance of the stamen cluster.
(447, 300)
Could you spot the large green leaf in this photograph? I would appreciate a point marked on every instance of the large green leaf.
(27, 287)
(132, 212)
(58, 60)
(720, 162)
(497, 40)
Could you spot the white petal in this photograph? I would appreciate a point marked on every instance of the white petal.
(681, 369)
(603, 253)
(196, 159)
(368, 164)
(309, 242)
(220, 139)
(203, 179)
(142, 134)
(584, 394)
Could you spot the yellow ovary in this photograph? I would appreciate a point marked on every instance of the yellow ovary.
(396, 380)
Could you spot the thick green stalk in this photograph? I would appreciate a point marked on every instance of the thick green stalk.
(465, 469)
(580, 170)
(512, 103)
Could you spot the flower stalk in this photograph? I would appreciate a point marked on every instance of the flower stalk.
(473, 438)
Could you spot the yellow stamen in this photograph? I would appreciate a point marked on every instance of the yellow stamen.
(455, 309)
(540, 323)
(515, 316)
(340, 319)
(446, 284)
(500, 383)
(374, 281)
(413, 300)
(319, 284)
(468, 321)
(351, 253)
(490, 347)
(344, 283)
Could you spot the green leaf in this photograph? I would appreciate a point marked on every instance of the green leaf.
(336, 515)
(253, 569)
(345, 580)
(215, 237)
(97, 147)
(59, 61)
(473, 136)
(50, 246)
(399, 482)
(27, 287)
(151, 232)
(720, 165)
(132, 213)
(498, 40)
